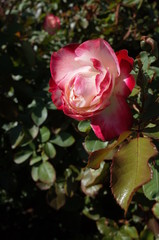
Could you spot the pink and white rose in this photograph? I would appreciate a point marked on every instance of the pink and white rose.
(51, 24)
(91, 81)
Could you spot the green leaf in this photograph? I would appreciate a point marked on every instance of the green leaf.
(97, 157)
(151, 189)
(60, 199)
(47, 173)
(146, 234)
(33, 131)
(152, 132)
(91, 180)
(34, 173)
(50, 150)
(43, 186)
(131, 3)
(39, 115)
(130, 231)
(22, 156)
(155, 210)
(84, 126)
(106, 230)
(63, 139)
(145, 60)
(92, 143)
(34, 160)
(16, 136)
(128, 166)
(44, 134)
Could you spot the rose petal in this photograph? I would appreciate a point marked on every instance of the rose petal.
(56, 94)
(101, 50)
(125, 82)
(113, 120)
(123, 55)
(63, 64)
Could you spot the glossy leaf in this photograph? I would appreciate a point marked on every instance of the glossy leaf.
(44, 134)
(130, 231)
(130, 169)
(50, 150)
(46, 173)
(16, 136)
(39, 115)
(97, 157)
(155, 210)
(91, 180)
(34, 160)
(34, 173)
(84, 126)
(151, 189)
(93, 144)
(22, 155)
(152, 132)
(63, 139)
(33, 131)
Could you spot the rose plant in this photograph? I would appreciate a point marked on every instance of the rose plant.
(51, 24)
(91, 81)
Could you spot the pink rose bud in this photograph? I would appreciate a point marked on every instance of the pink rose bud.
(91, 81)
(51, 24)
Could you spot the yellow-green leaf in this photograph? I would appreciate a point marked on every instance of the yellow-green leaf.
(130, 169)
(98, 156)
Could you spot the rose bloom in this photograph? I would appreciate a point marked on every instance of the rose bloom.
(51, 24)
(91, 81)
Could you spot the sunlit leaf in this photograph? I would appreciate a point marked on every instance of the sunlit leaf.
(97, 157)
(39, 115)
(63, 139)
(34, 160)
(152, 132)
(130, 231)
(89, 184)
(46, 173)
(50, 150)
(84, 126)
(16, 136)
(130, 169)
(34, 173)
(33, 131)
(93, 144)
(22, 155)
(155, 210)
(44, 134)
(104, 229)
(151, 189)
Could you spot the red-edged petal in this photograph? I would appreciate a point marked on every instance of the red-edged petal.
(113, 120)
(56, 94)
(63, 63)
(125, 83)
(123, 55)
(101, 50)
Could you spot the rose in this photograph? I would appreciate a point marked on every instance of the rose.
(51, 24)
(90, 81)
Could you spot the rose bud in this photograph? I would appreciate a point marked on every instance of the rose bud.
(51, 24)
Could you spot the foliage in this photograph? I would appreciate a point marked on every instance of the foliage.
(41, 149)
